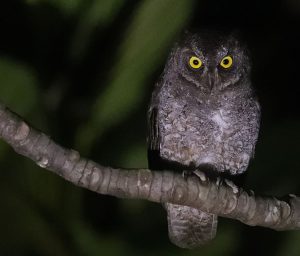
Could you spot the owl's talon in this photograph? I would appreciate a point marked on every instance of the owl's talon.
(232, 185)
(219, 181)
(200, 175)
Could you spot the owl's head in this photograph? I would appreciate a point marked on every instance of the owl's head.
(212, 61)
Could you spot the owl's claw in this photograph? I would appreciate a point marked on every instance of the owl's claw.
(198, 173)
(232, 185)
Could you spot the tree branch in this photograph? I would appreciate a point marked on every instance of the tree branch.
(215, 196)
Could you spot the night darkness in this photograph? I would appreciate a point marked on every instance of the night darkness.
(83, 71)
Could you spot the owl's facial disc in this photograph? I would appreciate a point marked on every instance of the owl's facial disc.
(202, 70)
(211, 62)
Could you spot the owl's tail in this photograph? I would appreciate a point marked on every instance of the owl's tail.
(190, 227)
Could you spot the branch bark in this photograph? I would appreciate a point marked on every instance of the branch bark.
(220, 197)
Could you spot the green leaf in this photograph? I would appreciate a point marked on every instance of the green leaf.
(153, 28)
(134, 155)
(98, 13)
(67, 6)
(18, 86)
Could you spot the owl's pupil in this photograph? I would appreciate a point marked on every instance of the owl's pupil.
(226, 62)
(196, 62)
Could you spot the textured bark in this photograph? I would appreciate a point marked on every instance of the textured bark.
(220, 197)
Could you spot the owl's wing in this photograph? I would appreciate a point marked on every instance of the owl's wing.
(256, 113)
(153, 133)
(154, 160)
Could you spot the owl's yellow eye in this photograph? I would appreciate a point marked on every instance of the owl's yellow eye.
(195, 62)
(226, 62)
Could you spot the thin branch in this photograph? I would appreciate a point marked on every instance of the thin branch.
(215, 196)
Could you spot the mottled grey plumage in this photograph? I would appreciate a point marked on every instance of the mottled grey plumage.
(203, 118)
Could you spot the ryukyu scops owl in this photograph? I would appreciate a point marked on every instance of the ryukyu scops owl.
(203, 115)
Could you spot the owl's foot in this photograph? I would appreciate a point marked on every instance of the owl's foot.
(198, 173)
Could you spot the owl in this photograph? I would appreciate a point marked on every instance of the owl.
(203, 116)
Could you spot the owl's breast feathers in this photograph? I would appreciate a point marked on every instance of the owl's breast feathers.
(219, 131)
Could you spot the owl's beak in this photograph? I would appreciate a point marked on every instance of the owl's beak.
(211, 81)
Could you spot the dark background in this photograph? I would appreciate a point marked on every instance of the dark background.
(82, 71)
